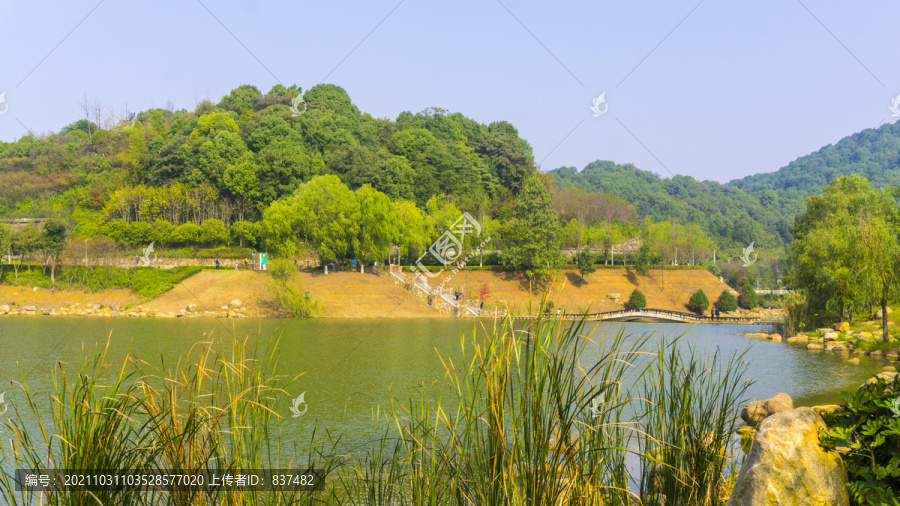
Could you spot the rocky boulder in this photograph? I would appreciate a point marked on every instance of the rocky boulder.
(191, 308)
(889, 377)
(786, 465)
(843, 327)
(235, 303)
(879, 314)
(757, 411)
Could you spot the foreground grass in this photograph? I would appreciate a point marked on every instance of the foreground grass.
(521, 421)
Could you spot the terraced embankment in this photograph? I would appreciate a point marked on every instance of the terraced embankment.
(355, 295)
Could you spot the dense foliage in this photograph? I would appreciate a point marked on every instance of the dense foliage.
(867, 434)
(758, 208)
(846, 257)
(252, 171)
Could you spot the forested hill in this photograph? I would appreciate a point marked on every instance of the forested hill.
(757, 208)
(874, 154)
(729, 215)
(253, 148)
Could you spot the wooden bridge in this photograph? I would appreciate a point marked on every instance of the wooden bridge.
(655, 315)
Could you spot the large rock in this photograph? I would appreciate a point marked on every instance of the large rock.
(757, 411)
(879, 314)
(787, 467)
(843, 327)
(235, 303)
(830, 336)
(191, 308)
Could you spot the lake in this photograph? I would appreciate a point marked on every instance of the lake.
(352, 368)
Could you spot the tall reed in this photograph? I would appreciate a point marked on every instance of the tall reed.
(209, 412)
(521, 422)
(689, 423)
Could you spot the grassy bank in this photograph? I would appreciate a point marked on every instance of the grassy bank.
(147, 282)
(521, 421)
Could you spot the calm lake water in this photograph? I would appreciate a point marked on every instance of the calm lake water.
(352, 368)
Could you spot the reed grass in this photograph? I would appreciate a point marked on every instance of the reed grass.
(521, 420)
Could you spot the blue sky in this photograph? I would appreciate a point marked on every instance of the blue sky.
(713, 89)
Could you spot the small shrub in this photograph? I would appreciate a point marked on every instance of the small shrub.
(288, 292)
(699, 302)
(637, 300)
(726, 301)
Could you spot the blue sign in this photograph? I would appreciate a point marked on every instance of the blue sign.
(253, 254)
(352, 261)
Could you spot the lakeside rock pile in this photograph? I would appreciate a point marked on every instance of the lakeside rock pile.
(234, 309)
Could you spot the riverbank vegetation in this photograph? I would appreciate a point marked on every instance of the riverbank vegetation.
(333, 183)
(148, 282)
(521, 421)
(845, 260)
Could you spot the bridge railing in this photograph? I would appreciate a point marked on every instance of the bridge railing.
(650, 313)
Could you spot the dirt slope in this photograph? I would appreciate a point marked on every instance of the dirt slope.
(665, 289)
(350, 294)
(343, 294)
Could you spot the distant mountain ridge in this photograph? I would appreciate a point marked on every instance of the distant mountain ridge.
(760, 208)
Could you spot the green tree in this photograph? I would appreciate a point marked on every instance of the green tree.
(214, 123)
(643, 260)
(726, 301)
(52, 243)
(241, 99)
(699, 302)
(213, 232)
(585, 261)
(377, 225)
(637, 300)
(410, 231)
(747, 298)
(323, 211)
(846, 253)
(533, 240)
